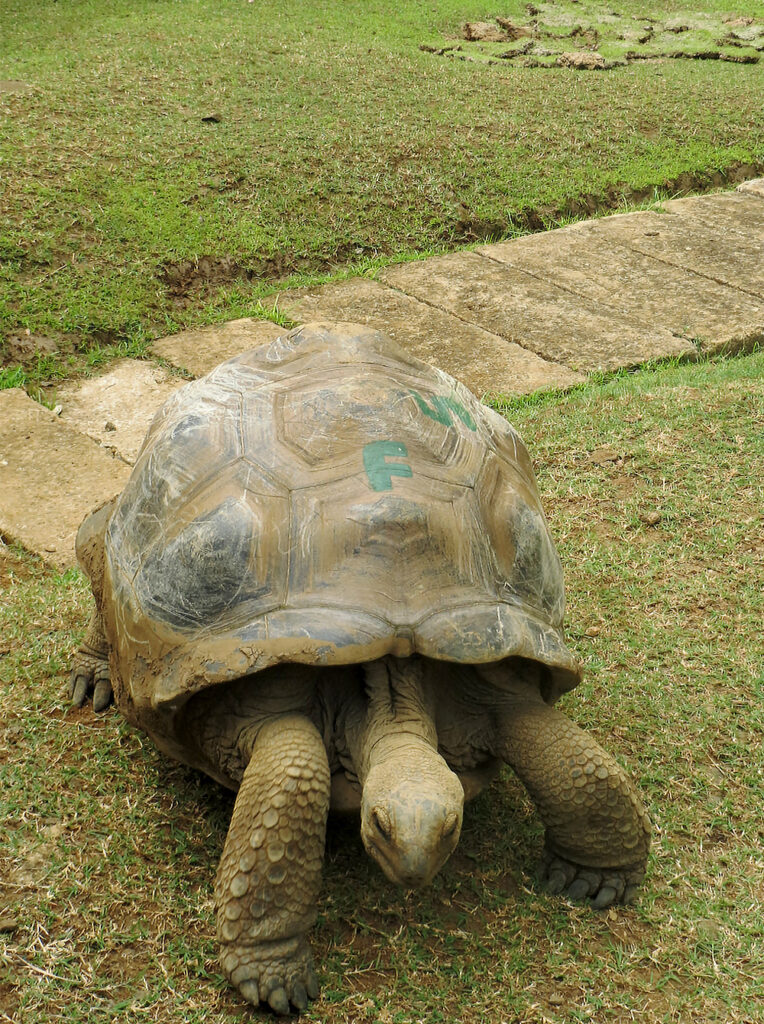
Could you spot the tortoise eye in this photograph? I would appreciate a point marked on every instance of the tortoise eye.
(382, 822)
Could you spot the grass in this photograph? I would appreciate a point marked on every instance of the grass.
(169, 164)
(653, 489)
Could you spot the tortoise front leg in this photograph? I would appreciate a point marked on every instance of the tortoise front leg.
(270, 872)
(90, 668)
(598, 832)
(90, 665)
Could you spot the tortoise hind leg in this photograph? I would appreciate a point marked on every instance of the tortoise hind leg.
(270, 871)
(90, 666)
(598, 832)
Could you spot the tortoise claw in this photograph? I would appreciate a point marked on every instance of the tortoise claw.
(630, 893)
(278, 1001)
(605, 897)
(78, 687)
(299, 996)
(250, 991)
(274, 975)
(579, 889)
(102, 694)
(311, 983)
(90, 674)
(602, 886)
(556, 874)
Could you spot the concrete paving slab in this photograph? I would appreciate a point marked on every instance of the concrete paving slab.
(756, 186)
(537, 314)
(51, 476)
(730, 257)
(202, 350)
(604, 265)
(482, 361)
(740, 211)
(115, 409)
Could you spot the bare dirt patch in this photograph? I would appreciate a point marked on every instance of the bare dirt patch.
(571, 35)
(194, 279)
(23, 348)
(12, 567)
(200, 275)
(190, 280)
(485, 31)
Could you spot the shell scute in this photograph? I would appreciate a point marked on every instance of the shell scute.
(190, 445)
(528, 567)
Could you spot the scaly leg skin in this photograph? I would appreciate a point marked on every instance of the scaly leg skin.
(598, 832)
(90, 668)
(270, 872)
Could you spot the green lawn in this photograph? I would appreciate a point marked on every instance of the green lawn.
(168, 163)
(652, 484)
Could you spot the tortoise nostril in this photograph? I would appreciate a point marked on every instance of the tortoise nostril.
(382, 822)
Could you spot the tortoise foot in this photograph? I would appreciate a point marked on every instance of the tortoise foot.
(279, 974)
(602, 886)
(90, 676)
(90, 668)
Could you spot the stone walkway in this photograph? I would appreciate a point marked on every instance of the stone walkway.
(540, 311)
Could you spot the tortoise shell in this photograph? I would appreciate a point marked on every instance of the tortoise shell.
(325, 499)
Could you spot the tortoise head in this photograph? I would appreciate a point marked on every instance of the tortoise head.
(411, 814)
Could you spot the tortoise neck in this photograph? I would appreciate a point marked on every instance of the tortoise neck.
(411, 801)
(399, 721)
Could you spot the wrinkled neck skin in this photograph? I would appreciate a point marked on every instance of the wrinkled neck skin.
(411, 805)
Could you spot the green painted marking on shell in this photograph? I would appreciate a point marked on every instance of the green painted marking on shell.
(378, 470)
(440, 408)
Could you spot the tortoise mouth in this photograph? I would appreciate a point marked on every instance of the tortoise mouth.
(407, 879)
(376, 853)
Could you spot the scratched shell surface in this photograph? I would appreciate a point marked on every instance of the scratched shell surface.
(327, 499)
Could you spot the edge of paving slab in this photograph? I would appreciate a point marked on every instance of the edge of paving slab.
(484, 362)
(198, 350)
(115, 408)
(51, 476)
(557, 324)
(755, 185)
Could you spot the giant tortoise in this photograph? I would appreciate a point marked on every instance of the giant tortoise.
(329, 582)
